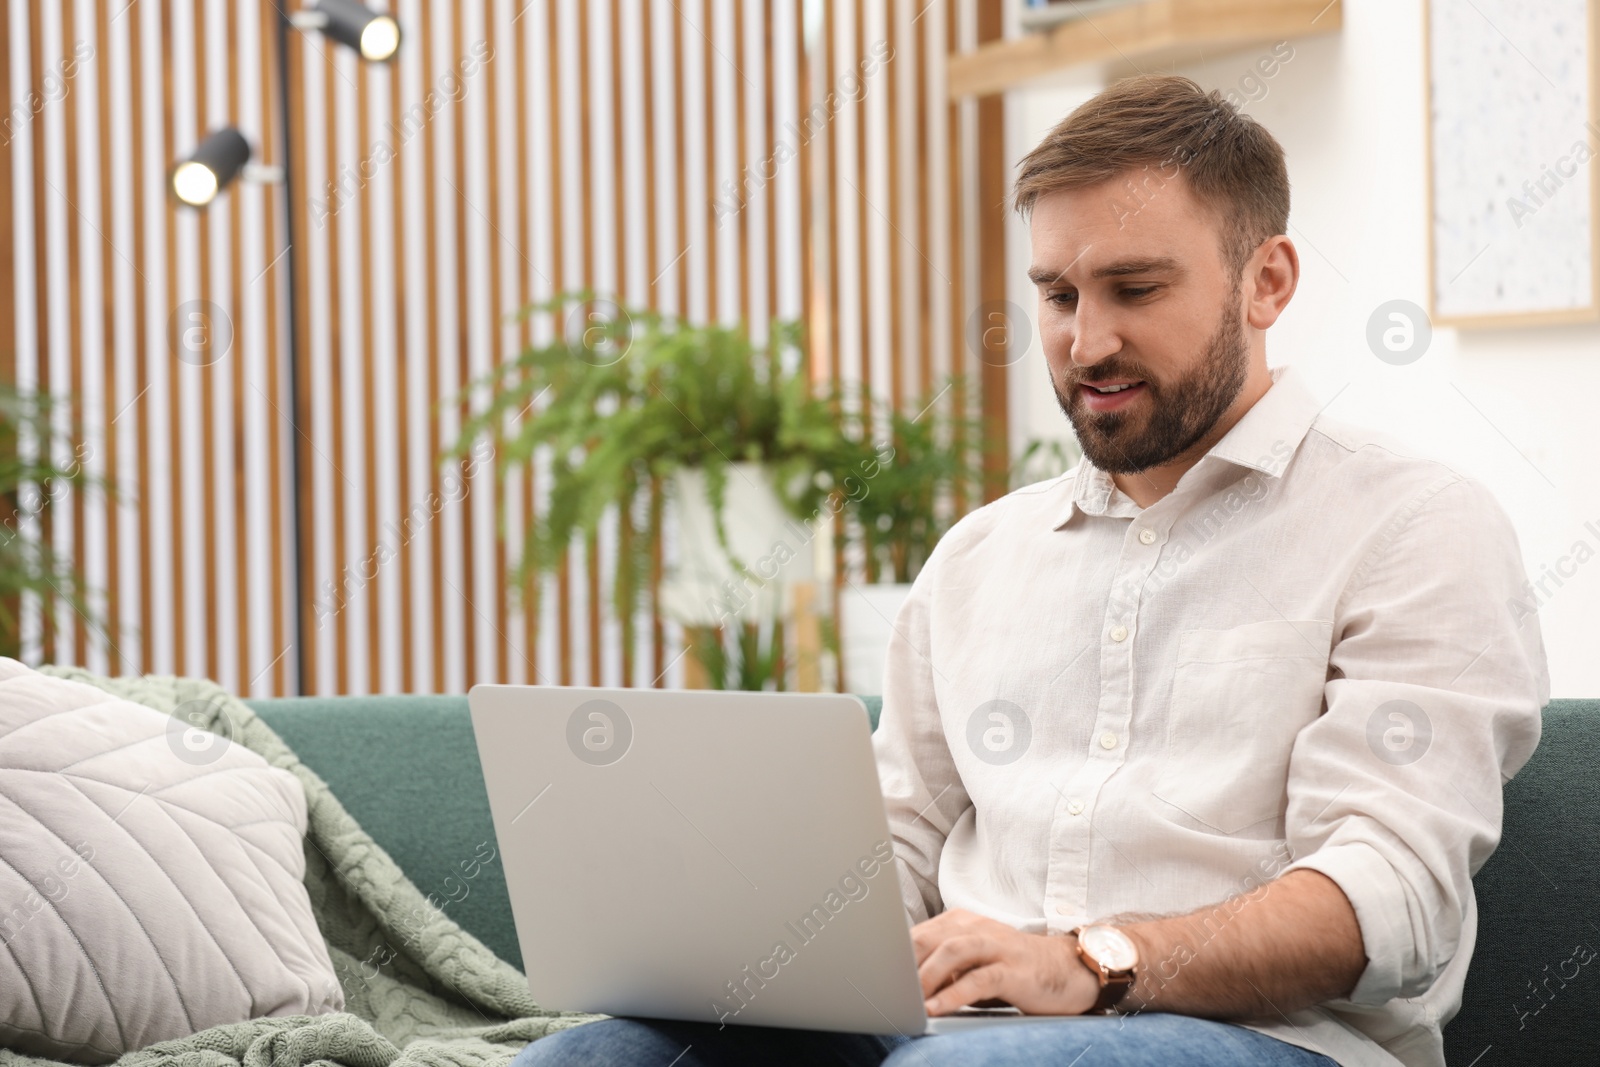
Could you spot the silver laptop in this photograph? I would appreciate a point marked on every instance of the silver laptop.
(706, 856)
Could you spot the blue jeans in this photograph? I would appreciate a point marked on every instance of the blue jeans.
(1144, 1040)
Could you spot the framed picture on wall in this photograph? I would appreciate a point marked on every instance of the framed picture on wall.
(1513, 188)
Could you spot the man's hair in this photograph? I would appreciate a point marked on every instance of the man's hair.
(1165, 125)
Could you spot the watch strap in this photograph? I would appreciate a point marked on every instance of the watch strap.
(1112, 989)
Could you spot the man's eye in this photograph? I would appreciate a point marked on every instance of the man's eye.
(1061, 298)
(1137, 292)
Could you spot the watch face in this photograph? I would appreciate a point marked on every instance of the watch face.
(1109, 946)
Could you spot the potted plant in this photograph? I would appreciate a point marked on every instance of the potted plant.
(912, 502)
(930, 463)
(749, 656)
(625, 398)
(30, 479)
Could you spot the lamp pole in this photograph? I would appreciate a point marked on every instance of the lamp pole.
(297, 556)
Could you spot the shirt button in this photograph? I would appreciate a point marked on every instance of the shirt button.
(1119, 633)
(1108, 740)
(1074, 806)
(1063, 909)
(1147, 537)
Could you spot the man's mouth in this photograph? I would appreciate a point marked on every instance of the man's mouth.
(1104, 396)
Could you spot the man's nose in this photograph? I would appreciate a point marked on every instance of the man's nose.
(1094, 335)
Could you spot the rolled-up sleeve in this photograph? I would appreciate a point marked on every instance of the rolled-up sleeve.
(922, 790)
(1437, 677)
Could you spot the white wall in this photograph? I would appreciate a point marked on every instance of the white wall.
(1514, 408)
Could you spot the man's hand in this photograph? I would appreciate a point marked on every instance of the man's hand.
(964, 958)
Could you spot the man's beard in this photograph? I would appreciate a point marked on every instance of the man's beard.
(1181, 412)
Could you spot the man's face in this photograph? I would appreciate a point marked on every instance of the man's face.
(1132, 293)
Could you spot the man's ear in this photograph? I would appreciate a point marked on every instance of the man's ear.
(1270, 280)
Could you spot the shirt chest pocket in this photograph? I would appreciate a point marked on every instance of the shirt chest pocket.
(1239, 697)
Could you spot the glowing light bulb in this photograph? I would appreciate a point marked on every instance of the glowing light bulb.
(380, 40)
(194, 183)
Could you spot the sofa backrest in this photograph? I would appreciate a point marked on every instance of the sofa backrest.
(1538, 909)
(407, 769)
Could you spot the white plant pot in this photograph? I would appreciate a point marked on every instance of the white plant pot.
(867, 614)
(704, 588)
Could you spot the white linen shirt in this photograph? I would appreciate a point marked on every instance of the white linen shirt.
(1308, 655)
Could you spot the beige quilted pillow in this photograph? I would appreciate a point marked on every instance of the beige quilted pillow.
(150, 877)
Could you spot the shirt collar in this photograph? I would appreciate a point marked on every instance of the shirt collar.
(1265, 438)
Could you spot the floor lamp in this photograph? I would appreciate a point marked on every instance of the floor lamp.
(224, 154)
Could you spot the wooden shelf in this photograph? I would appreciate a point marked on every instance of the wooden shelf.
(1150, 35)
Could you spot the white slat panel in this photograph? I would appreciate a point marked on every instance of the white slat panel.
(183, 588)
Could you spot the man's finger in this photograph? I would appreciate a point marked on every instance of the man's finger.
(942, 920)
(924, 941)
(930, 934)
(954, 957)
(981, 983)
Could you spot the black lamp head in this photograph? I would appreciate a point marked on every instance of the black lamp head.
(215, 162)
(376, 37)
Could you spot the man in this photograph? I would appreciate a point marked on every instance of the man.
(1211, 730)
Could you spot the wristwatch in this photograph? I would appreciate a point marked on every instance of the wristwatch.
(1113, 957)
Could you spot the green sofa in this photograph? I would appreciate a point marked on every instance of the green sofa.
(406, 767)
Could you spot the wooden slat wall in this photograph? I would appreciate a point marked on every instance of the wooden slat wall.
(583, 144)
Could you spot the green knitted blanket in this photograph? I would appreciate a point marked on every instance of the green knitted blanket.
(419, 990)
